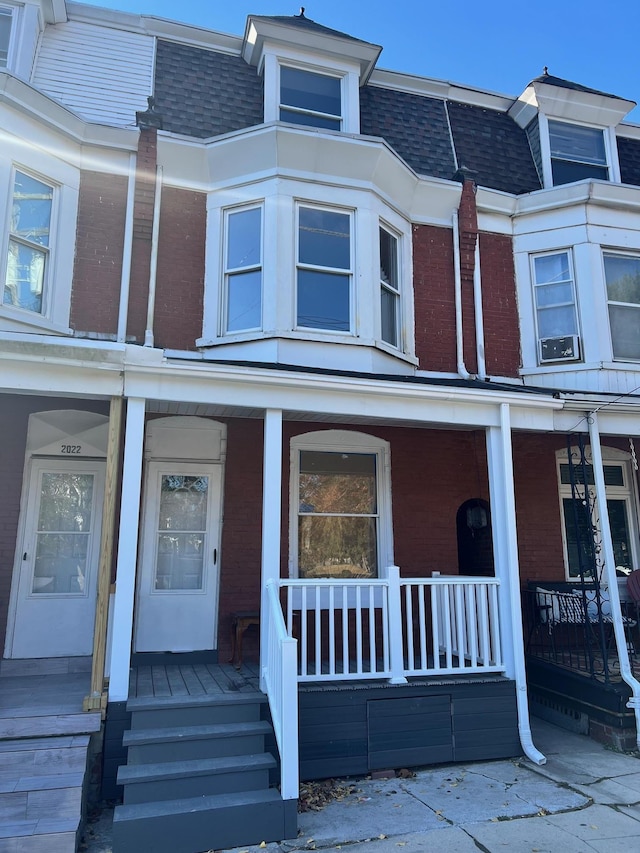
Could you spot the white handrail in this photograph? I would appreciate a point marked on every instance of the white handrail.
(280, 679)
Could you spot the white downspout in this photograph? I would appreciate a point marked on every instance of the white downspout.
(477, 304)
(153, 265)
(609, 571)
(457, 281)
(127, 248)
(503, 522)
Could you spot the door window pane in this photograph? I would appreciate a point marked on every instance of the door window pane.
(181, 532)
(63, 533)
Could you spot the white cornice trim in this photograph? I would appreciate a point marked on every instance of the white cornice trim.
(590, 192)
(441, 89)
(54, 11)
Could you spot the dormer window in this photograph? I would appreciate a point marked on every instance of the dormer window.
(6, 21)
(577, 152)
(311, 99)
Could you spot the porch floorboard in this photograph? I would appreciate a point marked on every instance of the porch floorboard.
(192, 680)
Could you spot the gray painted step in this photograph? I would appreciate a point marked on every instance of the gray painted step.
(202, 823)
(146, 783)
(49, 725)
(184, 743)
(194, 711)
(43, 836)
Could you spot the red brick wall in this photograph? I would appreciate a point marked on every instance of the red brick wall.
(435, 315)
(14, 417)
(468, 236)
(142, 232)
(98, 262)
(180, 277)
(500, 306)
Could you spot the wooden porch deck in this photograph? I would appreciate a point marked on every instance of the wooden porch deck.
(192, 680)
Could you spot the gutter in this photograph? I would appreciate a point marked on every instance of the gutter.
(153, 265)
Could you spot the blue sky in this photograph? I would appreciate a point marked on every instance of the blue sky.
(499, 45)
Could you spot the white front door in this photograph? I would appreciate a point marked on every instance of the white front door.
(56, 565)
(178, 574)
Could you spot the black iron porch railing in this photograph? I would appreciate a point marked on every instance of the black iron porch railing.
(572, 627)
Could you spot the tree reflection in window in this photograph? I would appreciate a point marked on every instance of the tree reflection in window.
(62, 537)
(337, 515)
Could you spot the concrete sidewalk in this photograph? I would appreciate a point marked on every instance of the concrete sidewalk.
(586, 798)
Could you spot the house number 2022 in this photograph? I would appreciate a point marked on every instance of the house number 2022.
(71, 448)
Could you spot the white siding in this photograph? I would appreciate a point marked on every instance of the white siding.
(102, 74)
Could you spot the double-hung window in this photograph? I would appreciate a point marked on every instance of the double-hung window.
(309, 98)
(577, 152)
(242, 309)
(389, 289)
(341, 506)
(555, 305)
(29, 236)
(622, 275)
(324, 269)
(6, 22)
(580, 517)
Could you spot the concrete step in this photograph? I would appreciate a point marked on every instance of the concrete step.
(198, 710)
(146, 783)
(183, 743)
(195, 824)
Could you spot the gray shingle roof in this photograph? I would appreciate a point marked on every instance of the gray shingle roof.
(550, 80)
(203, 93)
(629, 155)
(492, 145)
(413, 125)
(306, 24)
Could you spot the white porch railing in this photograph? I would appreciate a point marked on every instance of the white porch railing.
(393, 628)
(280, 678)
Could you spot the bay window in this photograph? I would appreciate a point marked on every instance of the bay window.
(622, 277)
(243, 270)
(389, 288)
(29, 236)
(324, 269)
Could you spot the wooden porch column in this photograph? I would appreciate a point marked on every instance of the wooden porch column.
(127, 551)
(271, 520)
(507, 568)
(97, 698)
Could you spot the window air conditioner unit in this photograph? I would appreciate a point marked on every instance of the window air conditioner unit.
(559, 349)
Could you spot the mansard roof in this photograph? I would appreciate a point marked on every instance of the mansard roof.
(305, 23)
(550, 80)
(206, 93)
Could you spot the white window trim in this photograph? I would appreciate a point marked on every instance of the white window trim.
(624, 254)
(14, 12)
(347, 441)
(534, 285)
(348, 73)
(626, 492)
(610, 148)
(225, 272)
(56, 298)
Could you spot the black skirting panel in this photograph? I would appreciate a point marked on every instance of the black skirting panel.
(350, 730)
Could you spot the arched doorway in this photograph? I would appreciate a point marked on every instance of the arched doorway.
(475, 543)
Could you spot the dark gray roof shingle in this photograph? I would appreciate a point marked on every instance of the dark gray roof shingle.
(550, 80)
(306, 24)
(413, 125)
(491, 145)
(629, 155)
(203, 93)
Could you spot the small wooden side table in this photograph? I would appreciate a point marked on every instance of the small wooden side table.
(240, 621)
